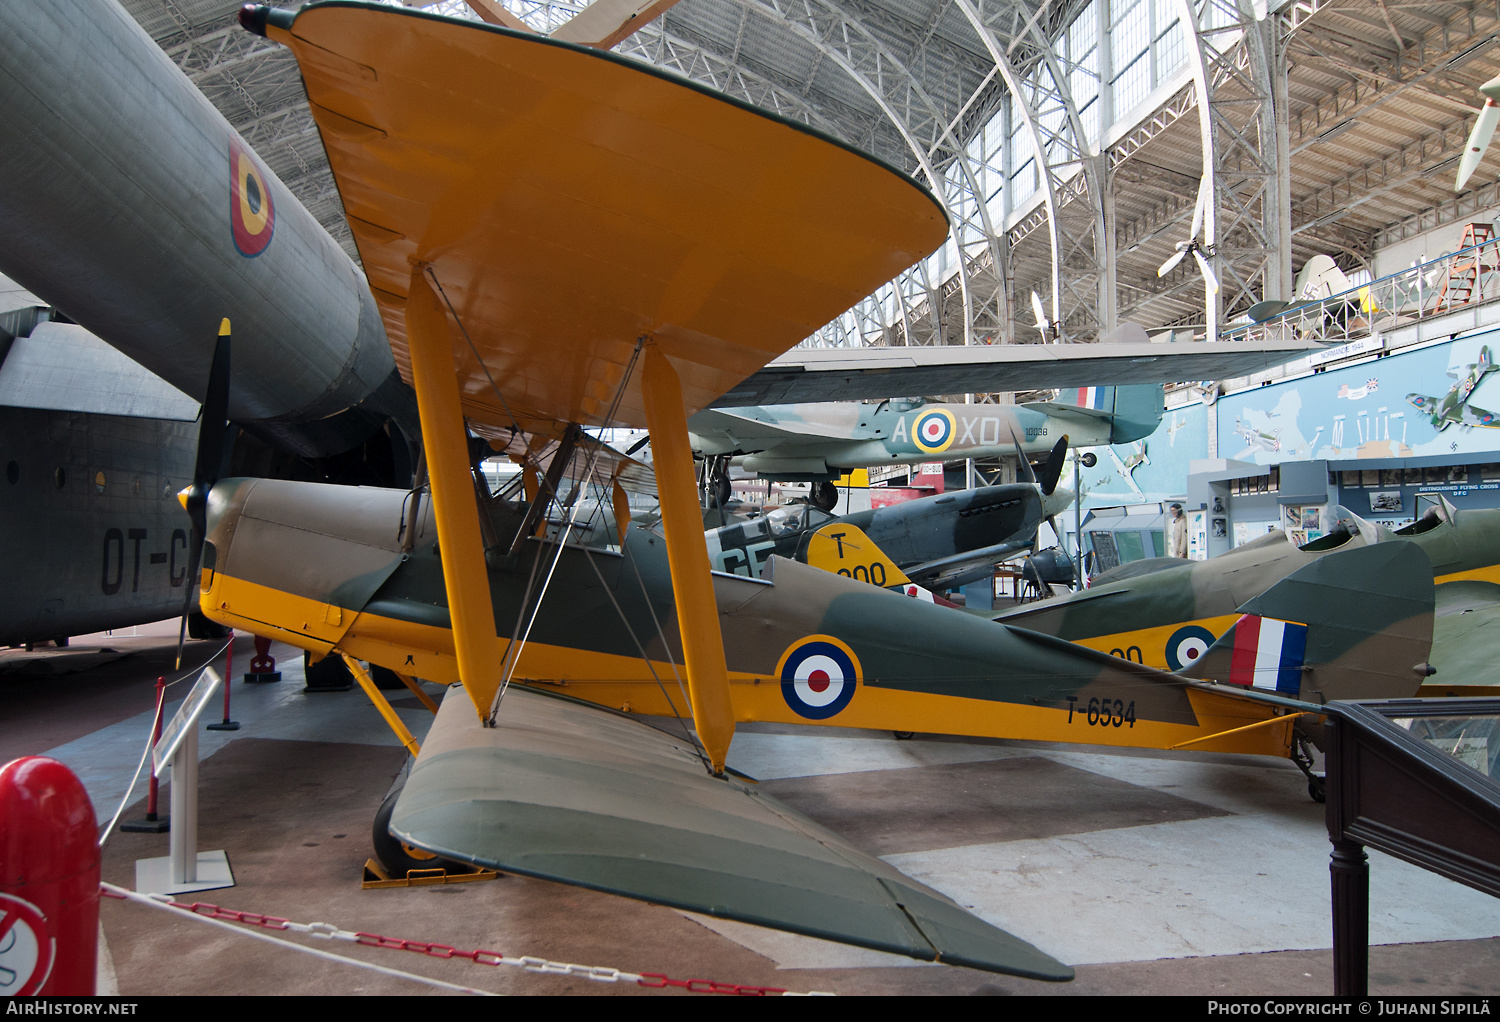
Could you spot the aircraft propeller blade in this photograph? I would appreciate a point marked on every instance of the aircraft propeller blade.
(1040, 312)
(1199, 207)
(211, 430)
(1208, 273)
(1479, 141)
(1172, 261)
(1052, 469)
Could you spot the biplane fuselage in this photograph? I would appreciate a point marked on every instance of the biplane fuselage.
(324, 568)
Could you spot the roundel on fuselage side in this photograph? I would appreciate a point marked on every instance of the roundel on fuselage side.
(818, 676)
(252, 215)
(1187, 645)
(933, 431)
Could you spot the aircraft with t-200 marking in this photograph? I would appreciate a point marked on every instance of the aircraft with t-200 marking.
(513, 772)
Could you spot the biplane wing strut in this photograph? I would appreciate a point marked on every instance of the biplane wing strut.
(430, 341)
(687, 557)
(454, 509)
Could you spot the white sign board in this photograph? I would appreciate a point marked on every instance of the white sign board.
(186, 717)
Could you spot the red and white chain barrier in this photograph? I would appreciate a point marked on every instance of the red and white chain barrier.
(327, 931)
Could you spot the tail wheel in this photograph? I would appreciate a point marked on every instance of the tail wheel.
(824, 496)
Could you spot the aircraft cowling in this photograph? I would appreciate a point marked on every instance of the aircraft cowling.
(122, 215)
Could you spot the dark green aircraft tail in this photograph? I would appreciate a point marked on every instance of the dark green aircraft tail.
(1350, 625)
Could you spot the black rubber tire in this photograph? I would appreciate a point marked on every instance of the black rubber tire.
(824, 496)
(398, 858)
(1317, 790)
(385, 679)
(330, 674)
(903, 736)
(200, 627)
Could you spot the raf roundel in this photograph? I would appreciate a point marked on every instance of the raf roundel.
(933, 431)
(252, 217)
(1187, 646)
(818, 676)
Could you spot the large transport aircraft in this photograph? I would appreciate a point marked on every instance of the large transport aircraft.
(142, 221)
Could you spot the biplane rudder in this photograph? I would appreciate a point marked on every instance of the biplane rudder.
(1356, 624)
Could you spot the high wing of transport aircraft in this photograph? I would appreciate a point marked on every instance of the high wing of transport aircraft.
(719, 236)
(820, 442)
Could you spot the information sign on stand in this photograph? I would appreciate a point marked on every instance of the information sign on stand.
(185, 869)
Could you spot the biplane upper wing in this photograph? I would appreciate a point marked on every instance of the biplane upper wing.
(581, 239)
(571, 202)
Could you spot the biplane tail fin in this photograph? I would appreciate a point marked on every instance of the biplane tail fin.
(1352, 625)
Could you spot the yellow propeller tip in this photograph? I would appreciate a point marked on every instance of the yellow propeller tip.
(223, 328)
(182, 495)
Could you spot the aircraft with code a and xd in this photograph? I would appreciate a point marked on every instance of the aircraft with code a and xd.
(818, 443)
(719, 235)
(938, 542)
(1453, 407)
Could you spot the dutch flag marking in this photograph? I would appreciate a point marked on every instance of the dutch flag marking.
(1268, 654)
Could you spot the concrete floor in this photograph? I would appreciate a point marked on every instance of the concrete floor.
(1161, 873)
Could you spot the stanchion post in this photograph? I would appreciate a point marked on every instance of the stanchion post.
(226, 724)
(152, 824)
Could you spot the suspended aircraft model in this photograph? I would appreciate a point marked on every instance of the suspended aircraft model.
(718, 236)
(817, 443)
(1484, 130)
(1193, 246)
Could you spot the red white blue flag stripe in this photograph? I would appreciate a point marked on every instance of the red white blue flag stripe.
(1095, 397)
(1268, 654)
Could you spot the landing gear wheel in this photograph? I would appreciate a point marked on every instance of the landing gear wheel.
(200, 627)
(397, 857)
(385, 679)
(723, 490)
(1317, 784)
(824, 496)
(903, 736)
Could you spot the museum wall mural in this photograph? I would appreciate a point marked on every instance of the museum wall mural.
(1148, 470)
(1432, 402)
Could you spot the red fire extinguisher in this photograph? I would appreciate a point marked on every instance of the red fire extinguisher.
(49, 881)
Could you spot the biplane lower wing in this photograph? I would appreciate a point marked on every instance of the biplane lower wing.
(569, 791)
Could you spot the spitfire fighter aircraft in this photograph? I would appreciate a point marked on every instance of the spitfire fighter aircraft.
(940, 542)
(1454, 406)
(719, 235)
(819, 442)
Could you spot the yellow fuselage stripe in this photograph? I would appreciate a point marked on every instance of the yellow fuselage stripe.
(625, 683)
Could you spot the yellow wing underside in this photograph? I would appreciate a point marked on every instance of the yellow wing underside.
(571, 202)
